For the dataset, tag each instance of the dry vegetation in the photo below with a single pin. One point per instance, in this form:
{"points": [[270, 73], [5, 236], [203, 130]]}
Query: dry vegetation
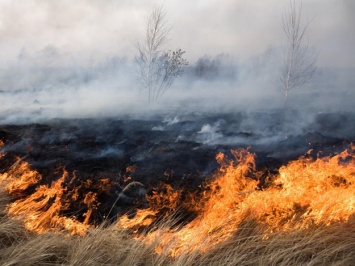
{"points": [[322, 245]]}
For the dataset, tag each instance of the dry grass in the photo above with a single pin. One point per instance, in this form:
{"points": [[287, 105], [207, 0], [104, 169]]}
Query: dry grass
{"points": [[332, 245], [327, 245]]}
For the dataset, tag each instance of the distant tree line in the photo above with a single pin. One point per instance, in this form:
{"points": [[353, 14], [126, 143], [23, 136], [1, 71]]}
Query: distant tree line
{"points": [[222, 66]]}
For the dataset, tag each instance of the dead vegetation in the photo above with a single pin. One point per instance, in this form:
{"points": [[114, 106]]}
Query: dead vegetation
{"points": [[321, 245]]}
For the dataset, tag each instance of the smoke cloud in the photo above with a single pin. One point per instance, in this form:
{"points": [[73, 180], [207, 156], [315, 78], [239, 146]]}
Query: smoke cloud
{"points": [[76, 59]]}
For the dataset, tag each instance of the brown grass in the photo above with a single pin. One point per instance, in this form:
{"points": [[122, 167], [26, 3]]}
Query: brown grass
{"points": [[324, 245]]}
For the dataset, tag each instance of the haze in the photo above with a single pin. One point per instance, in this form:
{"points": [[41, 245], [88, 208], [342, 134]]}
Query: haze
{"points": [[75, 58]]}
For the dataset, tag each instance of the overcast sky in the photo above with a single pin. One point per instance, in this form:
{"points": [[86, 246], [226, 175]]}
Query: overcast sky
{"points": [[94, 29]]}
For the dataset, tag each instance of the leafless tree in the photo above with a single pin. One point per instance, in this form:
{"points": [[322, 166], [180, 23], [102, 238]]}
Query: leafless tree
{"points": [[298, 62], [157, 68]]}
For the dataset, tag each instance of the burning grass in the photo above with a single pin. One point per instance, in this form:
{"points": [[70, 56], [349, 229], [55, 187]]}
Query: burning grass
{"points": [[305, 194], [304, 214], [322, 245]]}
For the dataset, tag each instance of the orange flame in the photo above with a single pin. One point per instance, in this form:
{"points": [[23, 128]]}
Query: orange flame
{"points": [[305, 193], [2, 154], [42, 210], [163, 198], [142, 218], [19, 177]]}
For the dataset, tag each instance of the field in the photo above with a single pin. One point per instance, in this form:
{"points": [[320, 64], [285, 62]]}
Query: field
{"points": [[247, 188]]}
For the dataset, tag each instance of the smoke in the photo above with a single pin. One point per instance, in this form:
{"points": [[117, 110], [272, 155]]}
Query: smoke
{"points": [[74, 60]]}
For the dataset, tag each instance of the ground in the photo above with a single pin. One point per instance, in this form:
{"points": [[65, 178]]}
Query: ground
{"points": [[178, 150]]}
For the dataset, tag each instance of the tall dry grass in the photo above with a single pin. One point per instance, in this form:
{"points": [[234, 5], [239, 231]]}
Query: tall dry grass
{"points": [[324, 245]]}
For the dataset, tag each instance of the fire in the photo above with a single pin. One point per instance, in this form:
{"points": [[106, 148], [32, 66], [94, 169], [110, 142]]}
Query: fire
{"points": [[42, 210], [305, 193], [19, 177], [163, 199], [216, 221], [324, 188], [141, 218], [2, 154]]}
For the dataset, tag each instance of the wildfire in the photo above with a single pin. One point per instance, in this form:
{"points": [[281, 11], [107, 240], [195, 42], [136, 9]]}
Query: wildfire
{"points": [[42, 210], [1, 145], [305, 193], [19, 177]]}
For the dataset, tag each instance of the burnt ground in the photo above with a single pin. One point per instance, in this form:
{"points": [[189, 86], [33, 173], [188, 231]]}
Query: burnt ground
{"points": [[176, 149]]}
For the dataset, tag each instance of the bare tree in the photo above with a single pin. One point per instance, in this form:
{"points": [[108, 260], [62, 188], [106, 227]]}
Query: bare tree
{"points": [[298, 63], [157, 68]]}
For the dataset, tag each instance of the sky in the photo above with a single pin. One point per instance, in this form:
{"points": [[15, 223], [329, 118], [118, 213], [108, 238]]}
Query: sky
{"points": [[89, 30], [64, 57]]}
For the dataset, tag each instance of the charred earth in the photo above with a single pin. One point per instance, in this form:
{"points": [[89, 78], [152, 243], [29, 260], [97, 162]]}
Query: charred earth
{"points": [[124, 159]]}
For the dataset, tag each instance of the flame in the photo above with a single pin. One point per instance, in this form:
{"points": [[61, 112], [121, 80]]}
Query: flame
{"points": [[216, 221], [41, 211], [2, 154], [141, 218], [305, 193], [90, 200], [19, 177], [163, 198], [324, 189]]}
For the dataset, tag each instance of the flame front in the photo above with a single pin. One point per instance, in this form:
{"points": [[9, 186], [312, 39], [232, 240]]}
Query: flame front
{"points": [[41, 210], [305, 193]]}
